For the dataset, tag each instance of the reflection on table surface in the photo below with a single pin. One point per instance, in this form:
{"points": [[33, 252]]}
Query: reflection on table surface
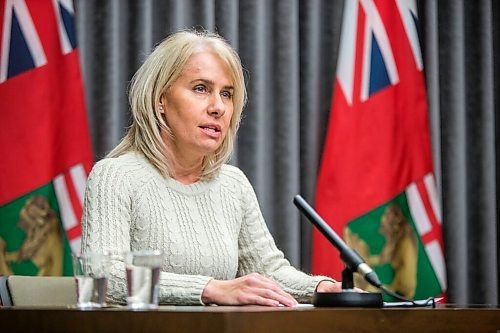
{"points": [[169, 318]]}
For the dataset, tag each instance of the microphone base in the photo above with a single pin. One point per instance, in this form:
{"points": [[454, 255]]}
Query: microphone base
{"points": [[349, 299]]}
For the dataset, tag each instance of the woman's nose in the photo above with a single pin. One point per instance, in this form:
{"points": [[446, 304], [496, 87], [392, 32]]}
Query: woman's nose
{"points": [[217, 107]]}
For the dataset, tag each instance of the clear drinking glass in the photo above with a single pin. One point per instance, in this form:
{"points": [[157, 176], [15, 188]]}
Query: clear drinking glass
{"points": [[143, 274], [91, 271]]}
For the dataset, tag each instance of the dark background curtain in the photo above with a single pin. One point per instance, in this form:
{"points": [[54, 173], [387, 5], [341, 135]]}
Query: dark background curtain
{"points": [[289, 50]]}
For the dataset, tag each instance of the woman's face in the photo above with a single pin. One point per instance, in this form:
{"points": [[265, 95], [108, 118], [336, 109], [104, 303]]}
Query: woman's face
{"points": [[198, 106]]}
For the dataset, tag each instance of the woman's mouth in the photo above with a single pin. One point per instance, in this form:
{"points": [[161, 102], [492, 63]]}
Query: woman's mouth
{"points": [[213, 131]]}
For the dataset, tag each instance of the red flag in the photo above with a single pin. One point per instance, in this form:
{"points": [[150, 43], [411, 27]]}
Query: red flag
{"points": [[377, 167], [44, 138]]}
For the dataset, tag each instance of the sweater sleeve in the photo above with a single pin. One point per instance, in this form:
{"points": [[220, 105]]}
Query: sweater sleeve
{"points": [[106, 221], [258, 253], [107, 224]]}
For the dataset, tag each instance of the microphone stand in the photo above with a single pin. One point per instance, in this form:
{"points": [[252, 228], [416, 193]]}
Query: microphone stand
{"points": [[348, 297], [353, 262]]}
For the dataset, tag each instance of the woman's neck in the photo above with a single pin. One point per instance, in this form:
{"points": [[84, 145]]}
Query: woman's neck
{"points": [[185, 168], [186, 173]]}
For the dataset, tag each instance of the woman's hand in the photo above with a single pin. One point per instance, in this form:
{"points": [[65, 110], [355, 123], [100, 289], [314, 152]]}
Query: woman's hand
{"points": [[249, 289], [327, 286]]}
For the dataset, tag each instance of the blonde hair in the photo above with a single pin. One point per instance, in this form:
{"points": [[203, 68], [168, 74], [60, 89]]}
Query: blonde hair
{"points": [[161, 68]]}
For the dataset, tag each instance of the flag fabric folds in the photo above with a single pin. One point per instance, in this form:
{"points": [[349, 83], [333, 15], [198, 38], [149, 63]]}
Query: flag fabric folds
{"points": [[44, 138], [376, 186]]}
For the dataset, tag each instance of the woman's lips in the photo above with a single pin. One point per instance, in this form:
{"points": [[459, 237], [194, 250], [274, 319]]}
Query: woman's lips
{"points": [[211, 131]]}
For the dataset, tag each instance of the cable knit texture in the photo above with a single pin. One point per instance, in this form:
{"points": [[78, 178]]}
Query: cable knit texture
{"points": [[207, 230]]}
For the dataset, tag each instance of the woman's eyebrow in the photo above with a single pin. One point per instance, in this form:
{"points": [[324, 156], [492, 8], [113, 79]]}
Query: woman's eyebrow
{"points": [[211, 83]]}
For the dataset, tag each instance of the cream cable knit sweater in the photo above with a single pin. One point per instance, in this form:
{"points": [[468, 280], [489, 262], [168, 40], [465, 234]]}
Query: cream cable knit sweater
{"points": [[211, 229]]}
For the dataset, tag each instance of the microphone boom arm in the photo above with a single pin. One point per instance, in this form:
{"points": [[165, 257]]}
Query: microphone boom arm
{"points": [[349, 256]]}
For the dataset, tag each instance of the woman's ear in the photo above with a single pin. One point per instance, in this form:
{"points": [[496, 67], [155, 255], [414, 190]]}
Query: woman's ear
{"points": [[161, 105]]}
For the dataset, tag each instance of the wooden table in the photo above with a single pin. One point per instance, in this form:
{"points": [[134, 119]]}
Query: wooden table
{"points": [[251, 319]]}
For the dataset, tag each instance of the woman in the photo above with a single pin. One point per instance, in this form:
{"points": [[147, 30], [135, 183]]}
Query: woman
{"points": [[165, 186]]}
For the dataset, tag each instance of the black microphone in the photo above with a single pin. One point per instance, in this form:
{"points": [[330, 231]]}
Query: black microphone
{"points": [[350, 257]]}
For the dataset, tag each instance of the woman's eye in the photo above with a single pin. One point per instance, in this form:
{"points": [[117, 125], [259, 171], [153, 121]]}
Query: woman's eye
{"points": [[227, 94], [200, 88]]}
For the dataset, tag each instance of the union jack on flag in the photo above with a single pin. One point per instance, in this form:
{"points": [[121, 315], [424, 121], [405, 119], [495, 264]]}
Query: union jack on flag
{"points": [[376, 185], [44, 137]]}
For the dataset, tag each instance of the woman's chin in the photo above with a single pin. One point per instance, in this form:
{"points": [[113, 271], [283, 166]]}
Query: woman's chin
{"points": [[209, 149]]}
